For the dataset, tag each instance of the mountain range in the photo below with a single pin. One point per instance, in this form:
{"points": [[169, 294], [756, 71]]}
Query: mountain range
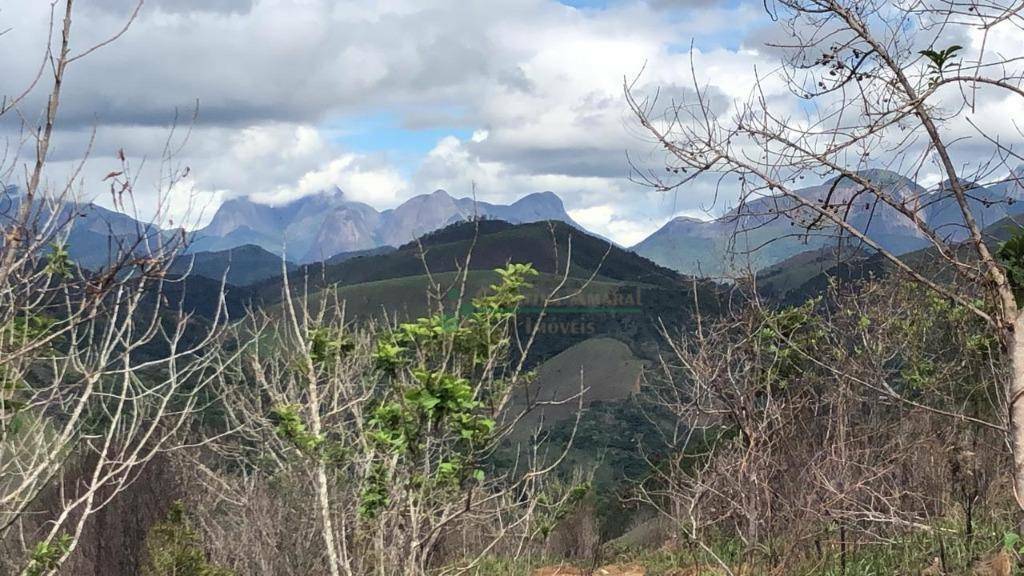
{"points": [[768, 230], [95, 235], [328, 226], [319, 226]]}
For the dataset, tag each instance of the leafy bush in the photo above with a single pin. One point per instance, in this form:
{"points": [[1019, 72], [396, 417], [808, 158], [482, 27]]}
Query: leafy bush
{"points": [[173, 548]]}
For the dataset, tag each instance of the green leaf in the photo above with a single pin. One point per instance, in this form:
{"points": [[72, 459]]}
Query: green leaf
{"points": [[1010, 540], [58, 261], [1011, 255]]}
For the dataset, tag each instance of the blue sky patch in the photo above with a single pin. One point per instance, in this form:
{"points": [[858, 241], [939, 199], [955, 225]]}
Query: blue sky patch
{"points": [[384, 132]]}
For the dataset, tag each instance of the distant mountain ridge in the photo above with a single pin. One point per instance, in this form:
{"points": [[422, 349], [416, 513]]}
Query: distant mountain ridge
{"points": [[319, 226], [766, 231], [328, 226], [325, 226], [241, 266], [94, 235]]}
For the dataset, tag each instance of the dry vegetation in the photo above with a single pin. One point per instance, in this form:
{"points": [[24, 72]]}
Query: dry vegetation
{"points": [[875, 429]]}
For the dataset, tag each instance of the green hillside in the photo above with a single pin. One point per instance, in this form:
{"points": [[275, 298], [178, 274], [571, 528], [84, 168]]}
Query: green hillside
{"points": [[808, 274], [629, 297], [487, 245], [241, 266], [779, 280], [407, 297]]}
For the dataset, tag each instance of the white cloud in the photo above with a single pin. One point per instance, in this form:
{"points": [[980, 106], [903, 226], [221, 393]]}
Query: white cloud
{"points": [[379, 186], [537, 84], [604, 220], [189, 207], [261, 143]]}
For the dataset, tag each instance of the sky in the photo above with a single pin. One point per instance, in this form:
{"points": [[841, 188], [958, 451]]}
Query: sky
{"points": [[385, 99]]}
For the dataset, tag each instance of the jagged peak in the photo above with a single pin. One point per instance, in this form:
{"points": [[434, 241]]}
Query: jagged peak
{"points": [[547, 197], [547, 194]]}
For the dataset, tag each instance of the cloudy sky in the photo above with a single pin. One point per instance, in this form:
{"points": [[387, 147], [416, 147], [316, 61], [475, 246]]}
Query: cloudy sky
{"points": [[387, 98]]}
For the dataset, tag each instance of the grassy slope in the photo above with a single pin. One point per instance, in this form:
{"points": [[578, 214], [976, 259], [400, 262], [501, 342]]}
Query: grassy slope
{"points": [[605, 367], [406, 297], [779, 280]]}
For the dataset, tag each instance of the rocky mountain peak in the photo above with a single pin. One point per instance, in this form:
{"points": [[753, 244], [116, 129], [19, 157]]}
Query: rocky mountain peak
{"points": [[320, 225]]}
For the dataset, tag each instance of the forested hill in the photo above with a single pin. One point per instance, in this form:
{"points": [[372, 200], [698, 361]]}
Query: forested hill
{"points": [[486, 245]]}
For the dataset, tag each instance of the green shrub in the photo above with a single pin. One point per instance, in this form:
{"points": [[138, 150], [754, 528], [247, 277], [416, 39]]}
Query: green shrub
{"points": [[173, 548]]}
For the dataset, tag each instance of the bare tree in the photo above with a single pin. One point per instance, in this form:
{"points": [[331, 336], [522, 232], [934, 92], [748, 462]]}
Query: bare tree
{"points": [[810, 431], [98, 374], [873, 84]]}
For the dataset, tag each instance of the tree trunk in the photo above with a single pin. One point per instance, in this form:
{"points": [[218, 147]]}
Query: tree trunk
{"points": [[323, 499], [1015, 406]]}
